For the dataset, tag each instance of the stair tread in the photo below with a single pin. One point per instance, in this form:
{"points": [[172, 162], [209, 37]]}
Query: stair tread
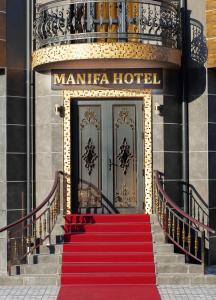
{"points": [[126, 274], [108, 223], [109, 263], [108, 243]]}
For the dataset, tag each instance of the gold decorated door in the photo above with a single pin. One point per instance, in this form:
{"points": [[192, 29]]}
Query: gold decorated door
{"points": [[107, 157]]}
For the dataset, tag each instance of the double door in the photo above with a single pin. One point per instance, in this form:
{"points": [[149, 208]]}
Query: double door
{"points": [[107, 156]]}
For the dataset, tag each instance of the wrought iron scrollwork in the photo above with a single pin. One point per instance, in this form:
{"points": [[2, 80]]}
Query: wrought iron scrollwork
{"points": [[90, 156], [199, 51], [70, 21], [124, 156]]}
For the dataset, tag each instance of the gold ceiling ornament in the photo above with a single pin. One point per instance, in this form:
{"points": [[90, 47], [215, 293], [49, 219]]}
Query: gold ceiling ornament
{"points": [[146, 95], [137, 51]]}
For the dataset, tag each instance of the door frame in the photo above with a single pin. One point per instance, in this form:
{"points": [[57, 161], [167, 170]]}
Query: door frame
{"points": [[146, 96]]}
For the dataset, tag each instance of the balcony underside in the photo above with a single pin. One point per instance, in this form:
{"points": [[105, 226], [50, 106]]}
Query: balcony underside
{"points": [[105, 55]]}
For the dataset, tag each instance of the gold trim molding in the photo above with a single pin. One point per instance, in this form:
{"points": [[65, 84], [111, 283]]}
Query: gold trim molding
{"points": [[147, 126], [92, 51]]}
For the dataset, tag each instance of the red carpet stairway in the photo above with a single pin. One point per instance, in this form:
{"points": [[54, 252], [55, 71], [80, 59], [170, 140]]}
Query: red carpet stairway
{"points": [[108, 257]]}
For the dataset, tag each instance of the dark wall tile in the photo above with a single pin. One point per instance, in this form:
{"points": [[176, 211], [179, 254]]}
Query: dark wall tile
{"points": [[174, 191], [171, 82], [172, 137], [211, 81], [212, 193], [172, 110], [14, 215], [16, 82], [212, 219], [196, 81], [212, 137], [16, 110], [212, 252], [16, 195], [16, 34], [212, 165], [172, 165], [16, 167], [212, 108], [16, 138]]}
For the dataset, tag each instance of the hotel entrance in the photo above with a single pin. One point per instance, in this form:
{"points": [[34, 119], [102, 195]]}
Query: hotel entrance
{"points": [[107, 156]]}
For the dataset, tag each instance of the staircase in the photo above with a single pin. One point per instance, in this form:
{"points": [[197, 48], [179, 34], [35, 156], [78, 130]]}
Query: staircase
{"points": [[107, 250], [110, 254]]}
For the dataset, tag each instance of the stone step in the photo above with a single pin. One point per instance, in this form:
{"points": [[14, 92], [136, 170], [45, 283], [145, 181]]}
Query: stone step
{"points": [[37, 269], [29, 280], [52, 249], [185, 279], [41, 280], [163, 248], [44, 258], [178, 268], [169, 258], [153, 219], [159, 237], [11, 281], [156, 228]]}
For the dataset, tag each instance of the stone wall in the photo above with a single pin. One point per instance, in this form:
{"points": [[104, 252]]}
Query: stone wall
{"points": [[167, 148], [49, 136]]}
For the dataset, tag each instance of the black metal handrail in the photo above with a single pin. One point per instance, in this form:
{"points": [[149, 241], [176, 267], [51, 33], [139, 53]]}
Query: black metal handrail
{"points": [[30, 231], [77, 21], [184, 231]]}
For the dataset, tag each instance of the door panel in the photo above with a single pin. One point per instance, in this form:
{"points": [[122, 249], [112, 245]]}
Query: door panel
{"points": [[110, 157], [124, 155], [89, 156]]}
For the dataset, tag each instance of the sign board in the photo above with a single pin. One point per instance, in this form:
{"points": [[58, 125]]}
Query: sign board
{"points": [[107, 78]]}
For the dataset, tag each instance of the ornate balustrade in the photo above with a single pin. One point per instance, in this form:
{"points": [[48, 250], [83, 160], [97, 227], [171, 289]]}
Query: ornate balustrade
{"points": [[28, 233], [84, 21], [184, 231]]}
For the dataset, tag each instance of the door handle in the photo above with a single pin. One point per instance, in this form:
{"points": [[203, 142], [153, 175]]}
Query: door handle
{"points": [[110, 164]]}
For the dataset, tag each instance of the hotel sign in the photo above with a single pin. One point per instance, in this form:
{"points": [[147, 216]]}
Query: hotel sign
{"points": [[108, 78]]}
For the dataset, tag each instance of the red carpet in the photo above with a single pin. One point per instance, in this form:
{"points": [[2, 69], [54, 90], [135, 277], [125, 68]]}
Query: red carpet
{"points": [[108, 257]]}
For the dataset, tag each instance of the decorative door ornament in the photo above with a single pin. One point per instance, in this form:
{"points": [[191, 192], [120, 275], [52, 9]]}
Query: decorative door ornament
{"points": [[125, 198], [124, 119], [124, 156], [90, 118], [90, 156]]}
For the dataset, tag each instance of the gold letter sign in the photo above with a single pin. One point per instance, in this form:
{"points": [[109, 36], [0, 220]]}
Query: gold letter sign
{"points": [[107, 78]]}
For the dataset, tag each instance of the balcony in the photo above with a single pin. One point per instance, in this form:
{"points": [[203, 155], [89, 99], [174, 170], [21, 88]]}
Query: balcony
{"points": [[82, 33]]}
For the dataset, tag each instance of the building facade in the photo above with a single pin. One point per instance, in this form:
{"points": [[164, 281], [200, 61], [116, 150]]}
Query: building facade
{"points": [[107, 92]]}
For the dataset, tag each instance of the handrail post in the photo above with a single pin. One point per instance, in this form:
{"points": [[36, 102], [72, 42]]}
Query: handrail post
{"points": [[203, 250], [9, 254], [49, 223], [191, 203]]}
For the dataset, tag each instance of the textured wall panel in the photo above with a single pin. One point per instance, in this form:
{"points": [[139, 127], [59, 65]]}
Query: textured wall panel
{"points": [[211, 31]]}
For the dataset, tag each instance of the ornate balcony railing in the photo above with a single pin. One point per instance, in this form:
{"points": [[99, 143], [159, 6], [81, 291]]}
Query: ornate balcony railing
{"points": [[199, 51], [82, 21]]}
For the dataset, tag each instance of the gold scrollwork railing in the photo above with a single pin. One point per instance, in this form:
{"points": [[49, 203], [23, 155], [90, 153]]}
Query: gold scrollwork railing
{"points": [[28, 233], [181, 229]]}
